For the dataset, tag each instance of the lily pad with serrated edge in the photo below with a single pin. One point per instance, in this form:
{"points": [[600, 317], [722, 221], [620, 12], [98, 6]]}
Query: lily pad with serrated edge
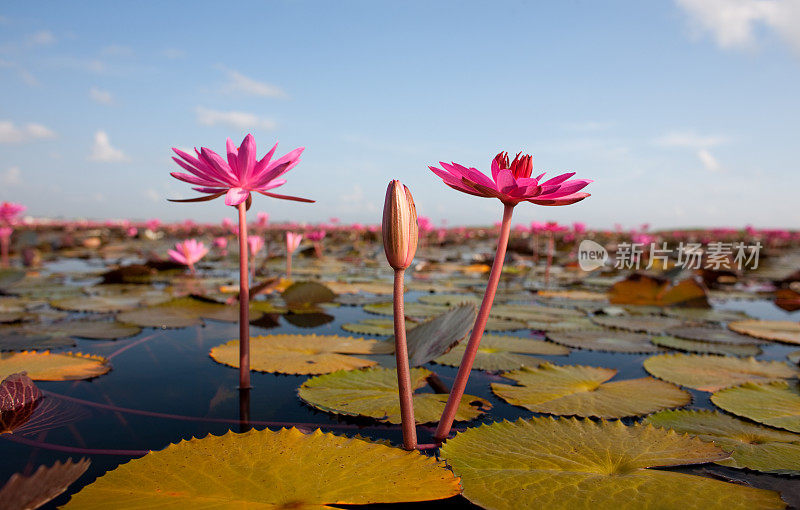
{"points": [[93, 330], [696, 346], [707, 372], [703, 314], [47, 366], [373, 393], [610, 341], [450, 299], [751, 446], [779, 331], [578, 390], [566, 325], [652, 324], [410, 309], [97, 304], [184, 312], [498, 325], [573, 295], [706, 334], [266, 469], [498, 352], [43, 485], [568, 463], [373, 287], [527, 312], [16, 338], [776, 403], [302, 354]]}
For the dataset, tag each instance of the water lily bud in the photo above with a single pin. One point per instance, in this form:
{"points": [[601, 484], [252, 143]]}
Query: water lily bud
{"points": [[400, 229]]}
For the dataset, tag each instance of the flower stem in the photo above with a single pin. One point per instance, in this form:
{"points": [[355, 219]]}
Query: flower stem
{"points": [[244, 303], [403, 371], [460, 383], [288, 264], [4, 242]]}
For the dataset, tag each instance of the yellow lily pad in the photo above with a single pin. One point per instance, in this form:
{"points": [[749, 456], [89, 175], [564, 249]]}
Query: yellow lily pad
{"points": [[780, 331], [265, 469], [612, 341], [302, 354], [569, 463], [697, 346], [47, 366], [373, 393], [653, 324], [710, 373], [776, 404], [579, 390], [752, 446]]}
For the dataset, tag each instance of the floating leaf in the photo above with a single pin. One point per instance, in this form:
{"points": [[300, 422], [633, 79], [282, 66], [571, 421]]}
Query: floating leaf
{"points": [[704, 314], [373, 393], [495, 324], [566, 325], [653, 324], [302, 354], [373, 287], [776, 404], [184, 312], [794, 356], [265, 469], [579, 390], [529, 312], [497, 353], [419, 310], [20, 339], [706, 334], [95, 330], [683, 344], [781, 331], [43, 485], [307, 293], [10, 276], [374, 327], [438, 335], [569, 463], [751, 446], [573, 295], [450, 299], [711, 373], [97, 304], [611, 341], [642, 289], [46, 366]]}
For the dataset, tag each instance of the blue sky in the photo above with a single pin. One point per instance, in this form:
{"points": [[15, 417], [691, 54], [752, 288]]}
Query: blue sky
{"points": [[685, 112]]}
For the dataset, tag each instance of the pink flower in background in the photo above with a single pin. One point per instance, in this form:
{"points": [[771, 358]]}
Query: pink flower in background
{"points": [[221, 242], [153, 224], [255, 244], [9, 212], [5, 232], [315, 235], [263, 219], [578, 227], [512, 183], [293, 240], [237, 177], [188, 252], [424, 224], [132, 231]]}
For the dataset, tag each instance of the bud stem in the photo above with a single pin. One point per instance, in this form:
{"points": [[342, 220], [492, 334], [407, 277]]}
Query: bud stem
{"points": [[244, 303], [403, 371], [460, 384]]}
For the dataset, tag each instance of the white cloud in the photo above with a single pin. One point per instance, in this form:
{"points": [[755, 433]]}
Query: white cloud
{"points": [[11, 133], [689, 139], [734, 23], [173, 53], [41, 38], [238, 120], [237, 82], [11, 177], [101, 96], [103, 151], [708, 160]]}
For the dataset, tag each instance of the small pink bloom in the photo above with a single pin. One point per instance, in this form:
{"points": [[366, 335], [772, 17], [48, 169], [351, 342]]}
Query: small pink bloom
{"points": [[221, 242], [188, 252], [237, 176], [9, 211], [255, 243], [293, 240], [263, 219], [315, 235], [512, 183], [132, 231]]}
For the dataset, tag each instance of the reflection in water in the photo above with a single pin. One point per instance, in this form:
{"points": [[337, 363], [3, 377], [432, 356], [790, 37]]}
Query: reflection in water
{"points": [[244, 410], [308, 320]]}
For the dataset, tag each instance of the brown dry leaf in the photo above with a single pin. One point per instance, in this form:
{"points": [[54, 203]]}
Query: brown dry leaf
{"points": [[46, 366], [29, 492], [641, 289]]}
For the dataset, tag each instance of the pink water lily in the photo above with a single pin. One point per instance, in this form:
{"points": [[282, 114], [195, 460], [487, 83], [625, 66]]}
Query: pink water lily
{"points": [[188, 252], [9, 211], [237, 176], [512, 182], [293, 240]]}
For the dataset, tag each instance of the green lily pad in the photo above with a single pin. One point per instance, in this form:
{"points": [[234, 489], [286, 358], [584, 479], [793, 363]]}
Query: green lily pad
{"points": [[652, 324], [776, 404], [710, 373], [752, 446], [497, 353], [579, 390], [611, 341], [682, 344], [568, 463], [418, 310], [707, 334], [373, 393], [780, 331]]}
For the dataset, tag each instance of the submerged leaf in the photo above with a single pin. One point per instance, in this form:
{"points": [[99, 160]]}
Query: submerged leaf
{"points": [[711, 373], [302, 354], [265, 469], [579, 390], [373, 393], [569, 463], [776, 404], [438, 335], [752, 446]]}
